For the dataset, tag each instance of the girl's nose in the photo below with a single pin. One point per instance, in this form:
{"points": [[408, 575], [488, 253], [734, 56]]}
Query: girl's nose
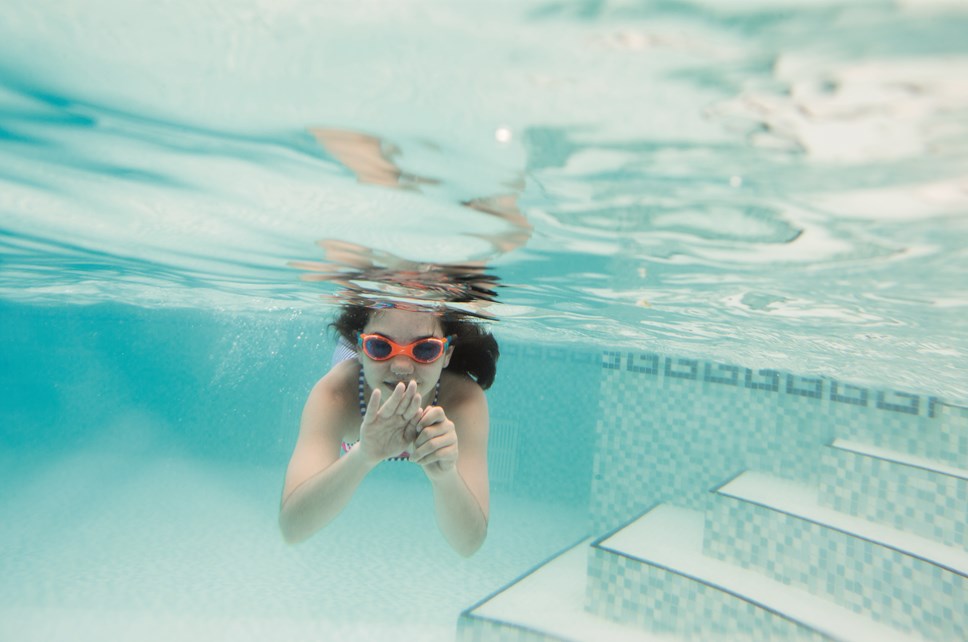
{"points": [[401, 364]]}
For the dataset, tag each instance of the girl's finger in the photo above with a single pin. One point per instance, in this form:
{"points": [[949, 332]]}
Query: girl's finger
{"points": [[436, 454], [426, 433], [371, 407], [431, 440], [405, 409], [411, 431], [393, 403], [432, 415], [412, 410]]}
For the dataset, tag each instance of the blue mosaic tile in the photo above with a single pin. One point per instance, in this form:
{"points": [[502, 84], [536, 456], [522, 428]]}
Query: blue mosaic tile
{"points": [[913, 499], [653, 599], [895, 589], [478, 629], [846, 393]]}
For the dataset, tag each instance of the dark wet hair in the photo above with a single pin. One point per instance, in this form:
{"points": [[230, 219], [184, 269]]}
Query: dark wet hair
{"points": [[475, 349]]}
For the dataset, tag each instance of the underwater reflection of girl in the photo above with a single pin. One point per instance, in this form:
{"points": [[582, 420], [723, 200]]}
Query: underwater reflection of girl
{"points": [[411, 386]]}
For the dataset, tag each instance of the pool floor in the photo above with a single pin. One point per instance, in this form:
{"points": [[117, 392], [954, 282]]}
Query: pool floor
{"points": [[113, 545]]}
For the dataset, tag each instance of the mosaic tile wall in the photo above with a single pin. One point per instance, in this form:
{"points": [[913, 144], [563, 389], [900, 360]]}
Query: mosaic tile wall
{"points": [[917, 425], [638, 594], [923, 502], [896, 589], [543, 409], [673, 428]]}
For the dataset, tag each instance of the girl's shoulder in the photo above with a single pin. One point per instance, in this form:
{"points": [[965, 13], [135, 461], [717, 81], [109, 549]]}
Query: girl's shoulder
{"points": [[459, 390], [336, 397], [340, 384]]}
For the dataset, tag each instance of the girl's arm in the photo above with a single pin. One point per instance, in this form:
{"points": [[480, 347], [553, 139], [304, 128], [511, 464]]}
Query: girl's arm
{"points": [[459, 476], [320, 483]]}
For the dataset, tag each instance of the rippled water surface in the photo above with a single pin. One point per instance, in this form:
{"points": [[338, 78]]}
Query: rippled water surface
{"points": [[776, 183]]}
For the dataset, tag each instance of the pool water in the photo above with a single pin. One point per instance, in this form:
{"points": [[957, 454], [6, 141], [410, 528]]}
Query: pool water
{"points": [[708, 239], [135, 516]]}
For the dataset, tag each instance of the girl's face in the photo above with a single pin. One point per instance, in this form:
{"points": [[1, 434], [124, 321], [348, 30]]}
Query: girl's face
{"points": [[403, 327]]}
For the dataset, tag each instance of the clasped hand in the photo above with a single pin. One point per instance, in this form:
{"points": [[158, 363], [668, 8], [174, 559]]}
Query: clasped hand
{"points": [[402, 424]]}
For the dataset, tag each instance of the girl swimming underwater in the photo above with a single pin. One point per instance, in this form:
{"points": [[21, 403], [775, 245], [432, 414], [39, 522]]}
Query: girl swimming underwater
{"points": [[411, 387]]}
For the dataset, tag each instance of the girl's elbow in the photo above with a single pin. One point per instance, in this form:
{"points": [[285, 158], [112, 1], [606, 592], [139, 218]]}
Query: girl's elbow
{"points": [[468, 548], [291, 533], [292, 538], [468, 552]]}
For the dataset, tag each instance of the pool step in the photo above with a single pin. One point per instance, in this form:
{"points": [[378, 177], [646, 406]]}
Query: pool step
{"points": [[915, 494], [764, 561], [653, 574], [779, 528], [547, 603], [876, 551]]}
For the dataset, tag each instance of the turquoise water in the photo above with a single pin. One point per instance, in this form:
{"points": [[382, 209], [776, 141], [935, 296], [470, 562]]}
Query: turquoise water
{"points": [[771, 185], [143, 453]]}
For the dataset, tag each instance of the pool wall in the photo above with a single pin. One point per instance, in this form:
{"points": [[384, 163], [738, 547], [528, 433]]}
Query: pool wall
{"points": [[850, 507], [674, 428]]}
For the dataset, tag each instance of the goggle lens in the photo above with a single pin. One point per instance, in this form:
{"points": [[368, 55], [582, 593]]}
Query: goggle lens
{"points": [[423, 351], [377, 348], [426, 350]]}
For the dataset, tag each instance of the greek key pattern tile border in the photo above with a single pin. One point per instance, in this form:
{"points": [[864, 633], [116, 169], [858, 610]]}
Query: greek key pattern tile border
{"points": [[771, 382]]}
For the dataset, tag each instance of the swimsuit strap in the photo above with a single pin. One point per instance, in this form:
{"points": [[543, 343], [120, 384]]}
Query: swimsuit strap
{"points": [[362, 396]]}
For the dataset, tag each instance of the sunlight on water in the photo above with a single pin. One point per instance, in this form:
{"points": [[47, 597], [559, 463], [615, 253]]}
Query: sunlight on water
{"points": [[697, 179]]}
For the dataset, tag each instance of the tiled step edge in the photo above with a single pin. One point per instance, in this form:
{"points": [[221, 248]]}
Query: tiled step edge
{"points": [[544, 604], [911, 493], [652, 574], [897, 457], [778, 527]]}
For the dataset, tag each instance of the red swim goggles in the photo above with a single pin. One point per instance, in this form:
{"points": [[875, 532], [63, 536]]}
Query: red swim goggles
{"points": [[379, 348]]}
